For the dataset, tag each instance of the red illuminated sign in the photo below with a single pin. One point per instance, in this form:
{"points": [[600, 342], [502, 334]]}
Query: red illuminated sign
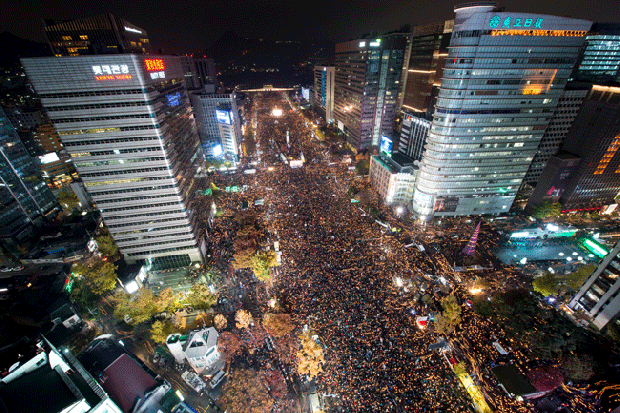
{"points": [[154, 65], [112, 77]]}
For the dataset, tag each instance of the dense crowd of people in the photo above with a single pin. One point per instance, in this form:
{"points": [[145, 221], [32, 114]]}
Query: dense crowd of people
{"points": [[338, 277]]}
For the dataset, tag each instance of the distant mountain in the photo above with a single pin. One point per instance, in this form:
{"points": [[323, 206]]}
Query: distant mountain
{"points": [[281, 62], [14, 47]]}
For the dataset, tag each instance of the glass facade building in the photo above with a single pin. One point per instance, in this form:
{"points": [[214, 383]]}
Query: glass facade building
{"points": [[427, 57], [366, 87], [103, 34], [600, 59], [25, 198], [414, 131], [501, 84], [127, 123]]}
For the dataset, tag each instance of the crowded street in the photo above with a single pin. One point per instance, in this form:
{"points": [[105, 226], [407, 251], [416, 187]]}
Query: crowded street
{"points": [[342, 278]]}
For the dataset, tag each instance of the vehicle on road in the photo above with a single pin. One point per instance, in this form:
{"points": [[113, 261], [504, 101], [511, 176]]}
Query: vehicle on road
{"points": [[194, 381], [217, 379]]}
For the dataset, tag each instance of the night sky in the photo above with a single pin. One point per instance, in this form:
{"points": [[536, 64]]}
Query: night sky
{"points": [[188, 26]]}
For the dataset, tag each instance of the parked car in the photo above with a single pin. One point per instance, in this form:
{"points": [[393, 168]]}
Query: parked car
{"points": [[156, 358], [217, 379]]}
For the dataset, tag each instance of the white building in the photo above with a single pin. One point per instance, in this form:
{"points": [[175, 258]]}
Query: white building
{"points": [[128, 126], [504, 75], [393, 182], [219, 123], [198, 349]]}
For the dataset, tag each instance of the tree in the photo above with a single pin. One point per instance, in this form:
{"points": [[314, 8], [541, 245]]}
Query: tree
{"points": [[546, 284], [243, 319], [578, 367], [243, 259], [576, 279], [168, 301], [442, 325], [201, 297], [450, 317], [160, 330], [547, 209], [278, 325], [220, 322], [246, 391], [362, 167], [106, 245], [68, 199], [230, 345], [310, 358], [262, 262], [140, 308], [254, 337], [545, 378], [98, 277]]}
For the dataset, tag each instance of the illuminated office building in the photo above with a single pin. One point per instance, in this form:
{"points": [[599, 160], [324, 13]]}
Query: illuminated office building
{"points": [[366, 87], [25, 198], [595, 138], [599, 61], [428, 51], [127, 123], [103, 34], [501, 84], [324, 91], [218, 123], [414, 131], [553, 138]]}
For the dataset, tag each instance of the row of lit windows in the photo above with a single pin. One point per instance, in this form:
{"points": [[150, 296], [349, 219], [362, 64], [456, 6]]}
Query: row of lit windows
{"points": [[185, 233], [126, 171], [106, 118], [93, 93], [155, 214], [116, 151], [107, 130], [143, 189], [155, 252], [153, 244], [154, 221], [134, 198], [99, 106], [120, 161], [137, 231], [142, 206], [124, 181], [108, 140]]}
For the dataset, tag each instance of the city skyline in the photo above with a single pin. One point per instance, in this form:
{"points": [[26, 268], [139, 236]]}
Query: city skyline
{"points": [[196, 26]]}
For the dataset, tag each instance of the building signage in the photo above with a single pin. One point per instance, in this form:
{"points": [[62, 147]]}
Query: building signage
{"points": [[111, 72], [509, 22], [129, 29], [386, 146], [223, 116], [156, 67]]}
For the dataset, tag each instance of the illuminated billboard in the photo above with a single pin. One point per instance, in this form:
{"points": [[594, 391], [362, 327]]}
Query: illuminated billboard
{"points": [[386, 146], [223, 116], [111, 72], [154, 65], [174, 99]]}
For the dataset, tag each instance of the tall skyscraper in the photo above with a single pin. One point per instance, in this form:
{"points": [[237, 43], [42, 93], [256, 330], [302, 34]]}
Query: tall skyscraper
{"points": [[101, 34], [218, 122], [324, 77], [427, 57], [599, 61], [366, 87], [595, 138], [127, 123], [553, 138], [598, 296], [501, 84], [25, 199]]}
